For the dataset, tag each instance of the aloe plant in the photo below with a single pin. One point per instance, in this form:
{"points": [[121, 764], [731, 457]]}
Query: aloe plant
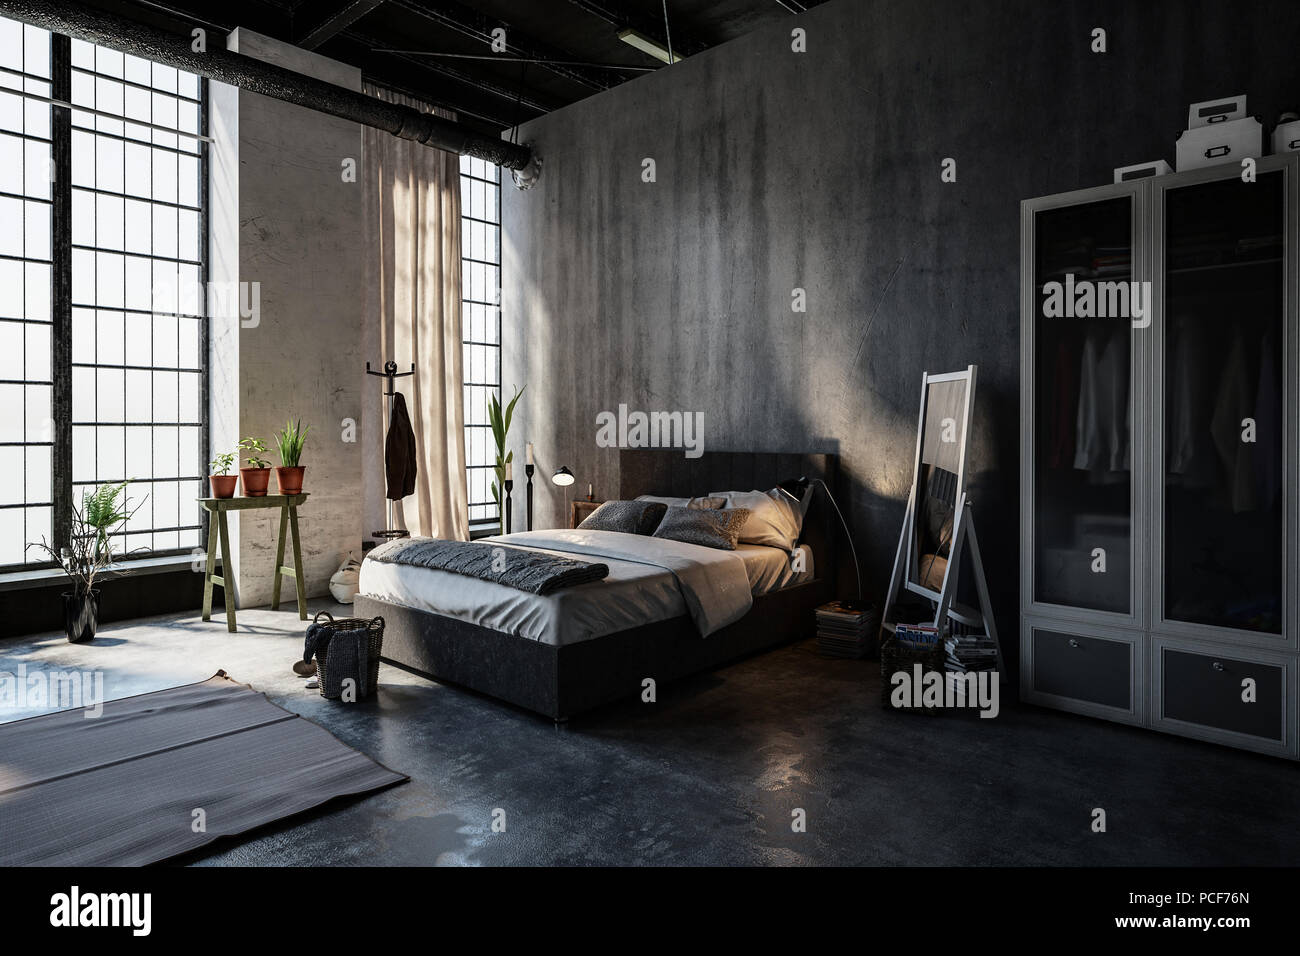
{"points": [[500, 422], [89, 551], [290, 442]]}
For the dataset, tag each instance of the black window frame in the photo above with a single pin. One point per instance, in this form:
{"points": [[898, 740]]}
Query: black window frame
{"points": [[62, 483]]}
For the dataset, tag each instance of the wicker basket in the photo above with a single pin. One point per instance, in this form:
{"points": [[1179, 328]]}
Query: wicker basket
{"points": [[897, 656], [375, 627]]}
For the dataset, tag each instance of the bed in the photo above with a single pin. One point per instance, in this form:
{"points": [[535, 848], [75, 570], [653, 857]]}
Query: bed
{"points": [[564, 653]]}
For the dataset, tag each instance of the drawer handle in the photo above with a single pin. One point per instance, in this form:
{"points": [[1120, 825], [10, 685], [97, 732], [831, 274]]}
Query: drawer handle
{"points": [[1074, 643], [1217, 666]]}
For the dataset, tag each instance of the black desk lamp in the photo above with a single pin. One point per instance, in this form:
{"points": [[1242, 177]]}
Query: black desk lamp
{"points": [[800, 491], [563, 477]]}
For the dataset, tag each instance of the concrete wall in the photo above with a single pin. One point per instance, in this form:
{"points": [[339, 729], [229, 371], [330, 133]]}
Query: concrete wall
{"points": [[297, 234], [821, 171]]}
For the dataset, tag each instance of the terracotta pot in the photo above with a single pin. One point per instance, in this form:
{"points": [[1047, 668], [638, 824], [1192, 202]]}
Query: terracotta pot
{"points": [[81, 615], [223, 486], [255, 481], [289, 479]]}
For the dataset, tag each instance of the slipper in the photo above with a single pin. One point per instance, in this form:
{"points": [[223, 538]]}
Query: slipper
{"points": [[304, 668]]}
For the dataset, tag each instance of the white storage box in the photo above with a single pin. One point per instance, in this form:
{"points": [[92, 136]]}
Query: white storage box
{"points": [[1212, 112], [1124, 174], [1286, 138], [1227, 142]]}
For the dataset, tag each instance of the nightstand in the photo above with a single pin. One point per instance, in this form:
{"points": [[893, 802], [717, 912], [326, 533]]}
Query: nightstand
{"points": [[578, 511]]}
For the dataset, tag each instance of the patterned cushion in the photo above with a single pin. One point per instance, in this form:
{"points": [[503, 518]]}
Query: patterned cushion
{"points": [[629, 517], [707, 527], [710, 502]]}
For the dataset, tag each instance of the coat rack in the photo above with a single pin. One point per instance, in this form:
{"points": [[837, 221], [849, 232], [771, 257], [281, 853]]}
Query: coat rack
{"points": [[391, 373]]}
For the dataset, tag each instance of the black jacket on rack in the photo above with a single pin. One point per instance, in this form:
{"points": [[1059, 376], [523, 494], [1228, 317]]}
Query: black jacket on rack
{"points": [[399, 452]]}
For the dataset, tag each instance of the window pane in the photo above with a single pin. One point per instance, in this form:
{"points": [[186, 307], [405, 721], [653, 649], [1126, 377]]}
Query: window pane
{"points": [[132, 248], [481, 353]]}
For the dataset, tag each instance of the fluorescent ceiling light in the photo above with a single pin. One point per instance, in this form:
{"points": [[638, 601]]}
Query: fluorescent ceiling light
{"points": [[647, 45]]}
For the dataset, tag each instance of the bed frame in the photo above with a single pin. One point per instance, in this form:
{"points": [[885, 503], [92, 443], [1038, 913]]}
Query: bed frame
{"points": [[559, 682]]}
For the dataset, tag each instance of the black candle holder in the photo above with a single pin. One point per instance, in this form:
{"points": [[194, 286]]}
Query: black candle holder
{"points": [[509, 485], [528, 495]]}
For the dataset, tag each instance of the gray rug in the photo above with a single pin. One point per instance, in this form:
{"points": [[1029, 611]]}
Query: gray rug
{"points": [[123, 789]]}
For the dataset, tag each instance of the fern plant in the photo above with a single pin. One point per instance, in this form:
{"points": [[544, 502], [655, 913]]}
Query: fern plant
{"points": [[500, 421], [89, 551]]}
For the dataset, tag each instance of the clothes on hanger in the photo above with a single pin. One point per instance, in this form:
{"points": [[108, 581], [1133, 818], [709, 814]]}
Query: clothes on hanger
{"points": [[1234, 403], [1268, 424], [1064, 410], [1189, 448], [1103, 426], [399, 452]]}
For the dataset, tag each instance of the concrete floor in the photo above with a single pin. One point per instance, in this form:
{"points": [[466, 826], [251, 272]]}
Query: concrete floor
{"points": [[711, 773]]}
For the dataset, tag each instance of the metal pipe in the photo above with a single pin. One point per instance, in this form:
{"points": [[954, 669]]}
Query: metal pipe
{"points": [[225, 66]]}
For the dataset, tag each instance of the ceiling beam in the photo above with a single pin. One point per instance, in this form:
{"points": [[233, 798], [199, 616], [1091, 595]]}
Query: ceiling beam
{"points": [[95, 25], [323, 28], [477, 26], [619, 17], [508, 94], [414, 77]]}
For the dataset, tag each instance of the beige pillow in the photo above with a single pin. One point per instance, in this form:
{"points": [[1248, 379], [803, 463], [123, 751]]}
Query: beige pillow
{"points": [[774, 520]]}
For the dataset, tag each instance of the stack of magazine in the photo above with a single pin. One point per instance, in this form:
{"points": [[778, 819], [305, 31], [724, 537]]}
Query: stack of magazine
{"points": [[971, 652], [843, 631]]}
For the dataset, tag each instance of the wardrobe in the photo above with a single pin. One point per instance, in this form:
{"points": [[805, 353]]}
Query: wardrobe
{"points": [[1159, 433]]}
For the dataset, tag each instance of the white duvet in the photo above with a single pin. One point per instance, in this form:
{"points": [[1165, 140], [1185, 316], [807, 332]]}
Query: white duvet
{"points": [[650, 579]]}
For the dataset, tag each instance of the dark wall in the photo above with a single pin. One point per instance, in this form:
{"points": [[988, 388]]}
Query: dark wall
{"points": [[35, 610], [821, 170]]}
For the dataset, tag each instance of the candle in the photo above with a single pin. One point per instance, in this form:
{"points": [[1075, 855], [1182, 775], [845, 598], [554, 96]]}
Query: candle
{"points": [[529, 452], [590, 493], [510, 471]]}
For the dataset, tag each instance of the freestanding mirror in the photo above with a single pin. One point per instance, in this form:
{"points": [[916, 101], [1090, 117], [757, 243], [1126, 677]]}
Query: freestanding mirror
{"points": [[938, 534], [937, 475]]}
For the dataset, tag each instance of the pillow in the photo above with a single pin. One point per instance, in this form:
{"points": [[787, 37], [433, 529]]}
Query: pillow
{"points": [[774, 519], [629, 517], [666, 502], [711, 503], [712, 528]]}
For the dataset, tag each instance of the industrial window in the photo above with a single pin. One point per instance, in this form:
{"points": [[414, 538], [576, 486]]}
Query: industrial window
{"points": [[480, 245], [102, 265]]}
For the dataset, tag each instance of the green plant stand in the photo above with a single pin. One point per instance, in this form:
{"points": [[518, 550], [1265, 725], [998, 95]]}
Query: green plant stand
{"points": [[218, 507]]}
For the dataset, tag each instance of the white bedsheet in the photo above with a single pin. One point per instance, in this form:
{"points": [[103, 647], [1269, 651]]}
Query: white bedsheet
{"points": [[634, 593]]}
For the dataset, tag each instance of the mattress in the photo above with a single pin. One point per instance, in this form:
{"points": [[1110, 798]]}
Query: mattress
{"points": [[632, 595]]}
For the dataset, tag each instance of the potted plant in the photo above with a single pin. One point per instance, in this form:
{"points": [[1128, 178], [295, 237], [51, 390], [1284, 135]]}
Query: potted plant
{"points": [[288, 474], [223, 483], [88, 553], [257, 476], [500, 428]]}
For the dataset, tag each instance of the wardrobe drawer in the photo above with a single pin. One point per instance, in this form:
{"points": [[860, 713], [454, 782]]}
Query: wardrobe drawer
{"points": [[1207, 689], [1095, 670]]}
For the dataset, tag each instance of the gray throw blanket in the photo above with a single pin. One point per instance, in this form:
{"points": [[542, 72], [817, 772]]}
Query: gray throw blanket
{"points": [[346, 655], [518, 568]]}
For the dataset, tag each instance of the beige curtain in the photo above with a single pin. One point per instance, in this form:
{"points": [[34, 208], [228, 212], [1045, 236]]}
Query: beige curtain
{"points": [[412, 249]]}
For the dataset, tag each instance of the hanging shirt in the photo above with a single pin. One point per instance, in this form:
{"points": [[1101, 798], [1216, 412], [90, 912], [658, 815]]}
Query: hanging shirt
{"points": [[1268, 420], [1235, 402]]}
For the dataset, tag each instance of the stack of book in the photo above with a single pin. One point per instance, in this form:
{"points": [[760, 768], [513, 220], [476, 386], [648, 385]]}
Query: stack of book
{"points": [[845, 632], [971, 652]]}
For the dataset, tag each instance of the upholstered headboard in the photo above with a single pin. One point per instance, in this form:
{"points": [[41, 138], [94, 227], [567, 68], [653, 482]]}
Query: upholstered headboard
{"points": [[668, 472]]}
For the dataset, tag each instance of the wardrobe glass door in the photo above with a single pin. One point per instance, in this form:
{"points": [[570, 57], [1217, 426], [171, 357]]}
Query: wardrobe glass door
{"points": [[1224, 276], [1083, 377]]}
